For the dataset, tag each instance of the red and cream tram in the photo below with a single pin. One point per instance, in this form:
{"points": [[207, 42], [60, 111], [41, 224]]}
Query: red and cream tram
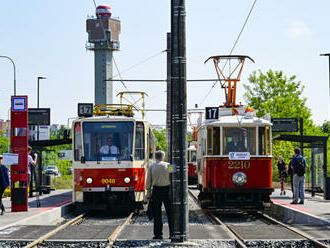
{"points": [[234, 152], [192, 164], [112, 152]]}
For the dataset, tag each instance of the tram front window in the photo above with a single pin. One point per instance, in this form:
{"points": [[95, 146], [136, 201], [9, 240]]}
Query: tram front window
{"points": [[239, 140], [106, 141]]}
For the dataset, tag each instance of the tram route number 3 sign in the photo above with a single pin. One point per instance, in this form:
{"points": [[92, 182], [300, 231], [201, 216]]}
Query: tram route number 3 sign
{"points": [[85, 109], [211, 113]]}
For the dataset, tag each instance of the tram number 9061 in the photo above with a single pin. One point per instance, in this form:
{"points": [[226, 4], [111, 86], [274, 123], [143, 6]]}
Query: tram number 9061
{"points": [[239, 164]]}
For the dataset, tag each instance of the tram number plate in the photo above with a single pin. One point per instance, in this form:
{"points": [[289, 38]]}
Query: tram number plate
{"points": [[108, 181], [238, 165]]}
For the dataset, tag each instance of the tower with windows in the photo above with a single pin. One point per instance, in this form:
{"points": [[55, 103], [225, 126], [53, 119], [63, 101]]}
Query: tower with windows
{"points": [[103, 38]]}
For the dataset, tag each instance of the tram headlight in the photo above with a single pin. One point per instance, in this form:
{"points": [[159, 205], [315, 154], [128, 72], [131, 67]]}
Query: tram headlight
{"points": [[89, 180], [239, 178], [127, 179]]}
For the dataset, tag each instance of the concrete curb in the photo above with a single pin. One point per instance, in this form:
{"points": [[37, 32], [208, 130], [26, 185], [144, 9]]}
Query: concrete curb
{"points": [[44, 218], [295, 216]]}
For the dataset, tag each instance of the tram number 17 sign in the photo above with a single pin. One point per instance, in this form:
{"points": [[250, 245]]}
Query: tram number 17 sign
{"points": [[211, 113]]}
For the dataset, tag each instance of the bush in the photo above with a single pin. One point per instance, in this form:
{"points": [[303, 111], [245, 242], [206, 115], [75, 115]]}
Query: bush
{"points": [[63, 182]]}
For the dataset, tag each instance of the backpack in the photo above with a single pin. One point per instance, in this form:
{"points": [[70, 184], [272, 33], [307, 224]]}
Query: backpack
{"points": [[300, 168]]}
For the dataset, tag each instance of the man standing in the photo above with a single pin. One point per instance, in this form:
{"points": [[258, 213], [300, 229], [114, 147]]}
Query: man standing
{"points": [[4, 183], [158, 180], [32, 170], [299, 167]]}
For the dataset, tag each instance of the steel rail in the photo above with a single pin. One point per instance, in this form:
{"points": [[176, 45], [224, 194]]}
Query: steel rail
{"points": [[238, 239], [51, 233], [299, 232], [113, 237]]}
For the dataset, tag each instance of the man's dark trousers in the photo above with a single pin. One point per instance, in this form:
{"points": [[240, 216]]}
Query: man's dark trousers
{"points": [[33, 177], [1, 193], [161, 195]]}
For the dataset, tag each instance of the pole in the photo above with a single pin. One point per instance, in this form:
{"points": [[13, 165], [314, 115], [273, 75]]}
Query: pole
{"points": [[12, 61], [38, 102], [169, 101], [328, 55], [179, 118]]}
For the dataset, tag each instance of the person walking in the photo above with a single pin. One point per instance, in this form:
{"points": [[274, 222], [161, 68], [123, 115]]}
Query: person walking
{"points": [[32, 170], [282, 173], [4, 182], [158, 187], [299, 168]]}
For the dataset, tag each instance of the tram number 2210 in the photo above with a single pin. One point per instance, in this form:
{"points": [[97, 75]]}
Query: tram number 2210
{"points": [[239, 164]]}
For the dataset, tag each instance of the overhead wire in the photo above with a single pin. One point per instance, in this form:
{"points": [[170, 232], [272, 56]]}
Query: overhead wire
{"points": [[232, 49]]}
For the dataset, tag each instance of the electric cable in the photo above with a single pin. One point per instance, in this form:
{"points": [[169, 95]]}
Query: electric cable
{"points": [[235, 43]]}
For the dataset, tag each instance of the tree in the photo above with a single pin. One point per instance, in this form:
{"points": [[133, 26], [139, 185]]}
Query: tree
{"points": [[161, 139], [279, 95]]}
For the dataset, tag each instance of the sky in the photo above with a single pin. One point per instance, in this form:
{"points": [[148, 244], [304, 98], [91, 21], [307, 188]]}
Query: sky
{"points": [[47, 38]]}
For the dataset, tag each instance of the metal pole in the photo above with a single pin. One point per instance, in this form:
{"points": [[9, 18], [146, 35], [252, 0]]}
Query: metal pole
{"points": [[169, 101], [38, 103], [12, 61], [179, 118], [328, 55]]}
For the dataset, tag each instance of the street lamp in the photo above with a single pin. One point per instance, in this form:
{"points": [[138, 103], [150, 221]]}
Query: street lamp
{"points": [[38, 103], [12, 61], [328, 54]]}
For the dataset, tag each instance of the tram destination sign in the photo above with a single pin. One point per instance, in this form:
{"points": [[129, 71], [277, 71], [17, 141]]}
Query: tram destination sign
{"points": [[211, 113], [285, 124], [85, 109], [39, 116]]}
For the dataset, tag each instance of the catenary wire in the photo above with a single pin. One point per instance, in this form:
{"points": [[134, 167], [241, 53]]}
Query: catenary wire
{"points": [[232, 49]]}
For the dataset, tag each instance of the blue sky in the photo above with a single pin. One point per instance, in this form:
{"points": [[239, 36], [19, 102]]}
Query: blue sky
{"points": [[47, 38]]}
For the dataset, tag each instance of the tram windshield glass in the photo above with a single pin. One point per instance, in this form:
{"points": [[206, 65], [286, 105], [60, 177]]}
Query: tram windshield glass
{"points": [[107, 141], [239, 140]]}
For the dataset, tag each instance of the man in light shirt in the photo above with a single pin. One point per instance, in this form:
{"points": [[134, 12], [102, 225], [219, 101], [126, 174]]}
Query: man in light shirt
{"points": [[158, 182], [109, 148]]}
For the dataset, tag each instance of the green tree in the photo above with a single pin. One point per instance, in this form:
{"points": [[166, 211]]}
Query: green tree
{"points": [[161, 139]]}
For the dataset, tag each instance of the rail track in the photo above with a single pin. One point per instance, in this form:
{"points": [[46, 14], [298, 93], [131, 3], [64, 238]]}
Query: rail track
{"points": [[239, 239], [77, 220]]}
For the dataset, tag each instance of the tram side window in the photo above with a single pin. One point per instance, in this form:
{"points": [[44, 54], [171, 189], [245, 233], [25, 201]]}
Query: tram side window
{"points": [[239, 140], [139, 141], [264, 141], [213, 140], [77, 142]]}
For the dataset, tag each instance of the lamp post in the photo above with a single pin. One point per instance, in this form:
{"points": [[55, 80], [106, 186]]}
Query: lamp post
{"points": [[328, 54], [12, 61], [38, 103]]}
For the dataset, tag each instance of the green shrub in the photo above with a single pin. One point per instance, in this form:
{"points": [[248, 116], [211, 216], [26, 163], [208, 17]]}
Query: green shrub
{"points": [[63, 182]]}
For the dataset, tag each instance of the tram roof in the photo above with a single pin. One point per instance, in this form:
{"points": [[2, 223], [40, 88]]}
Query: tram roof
{"points": [[238, 120]]}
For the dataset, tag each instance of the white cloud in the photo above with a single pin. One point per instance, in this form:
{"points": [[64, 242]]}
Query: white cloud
{"points": [[298, 29]]}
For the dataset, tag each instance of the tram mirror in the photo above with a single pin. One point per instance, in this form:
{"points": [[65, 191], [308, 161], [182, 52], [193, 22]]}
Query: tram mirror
{"points": [[83, 159]]}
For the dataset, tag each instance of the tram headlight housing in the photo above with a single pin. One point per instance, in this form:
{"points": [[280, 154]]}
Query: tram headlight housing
{"points": [[89, 180], [239, 178], [127, 179]]}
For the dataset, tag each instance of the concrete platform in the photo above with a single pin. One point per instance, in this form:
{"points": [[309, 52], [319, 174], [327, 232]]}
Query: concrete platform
{"points": [[315, 211], [53, 205]]}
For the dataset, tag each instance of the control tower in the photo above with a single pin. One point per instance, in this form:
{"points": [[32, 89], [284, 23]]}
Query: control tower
{"points": [[103, 38]]}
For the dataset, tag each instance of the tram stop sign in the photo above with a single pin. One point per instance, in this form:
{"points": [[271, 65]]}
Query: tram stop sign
{"points": [[285, 124]]}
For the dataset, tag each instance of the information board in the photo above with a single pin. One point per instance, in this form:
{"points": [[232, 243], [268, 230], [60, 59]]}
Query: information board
{"points": [[285, 124], [39, 116]]}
